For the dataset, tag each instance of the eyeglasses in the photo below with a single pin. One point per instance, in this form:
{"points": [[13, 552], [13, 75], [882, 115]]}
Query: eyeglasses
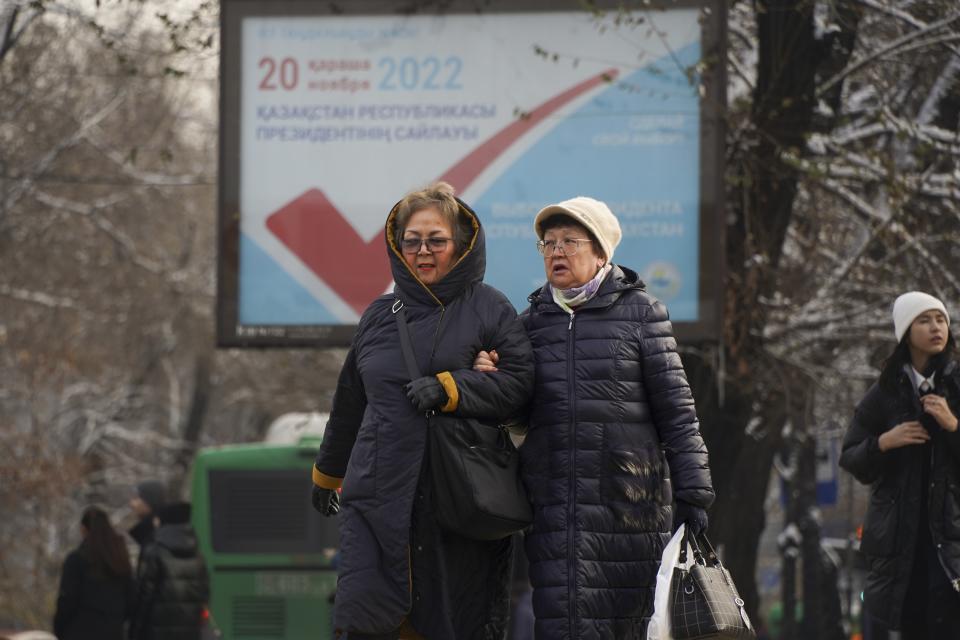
{"points": [[434, 245], [568, 246]]}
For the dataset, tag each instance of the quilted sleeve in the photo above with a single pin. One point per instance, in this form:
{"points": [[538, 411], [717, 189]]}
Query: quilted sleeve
{"points": [[349, 404], [672, 406], [860, 453]]}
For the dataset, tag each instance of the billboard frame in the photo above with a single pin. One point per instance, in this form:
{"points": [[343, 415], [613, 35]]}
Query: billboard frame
{"points": [[712, 128]]}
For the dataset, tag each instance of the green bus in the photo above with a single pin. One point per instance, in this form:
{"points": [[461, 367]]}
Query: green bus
{"points": [[270, 555]]}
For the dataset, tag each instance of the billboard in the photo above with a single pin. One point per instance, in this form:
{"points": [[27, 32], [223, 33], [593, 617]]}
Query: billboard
{"points": [[329, 119]]}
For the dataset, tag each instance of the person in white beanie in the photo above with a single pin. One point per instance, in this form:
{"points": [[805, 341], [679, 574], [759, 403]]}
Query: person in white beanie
{"points": [[613, 458], [903, 441]]}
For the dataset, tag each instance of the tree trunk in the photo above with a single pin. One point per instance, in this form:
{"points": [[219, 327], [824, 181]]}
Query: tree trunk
{"points": [[193, 424], [762, 188]]}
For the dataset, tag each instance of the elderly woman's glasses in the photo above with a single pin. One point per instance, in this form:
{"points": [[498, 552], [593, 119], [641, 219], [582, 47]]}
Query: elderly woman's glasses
{"points": [[434, 245], [568, 246]]}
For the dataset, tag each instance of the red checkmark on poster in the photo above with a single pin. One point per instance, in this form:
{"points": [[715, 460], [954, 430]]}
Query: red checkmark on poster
{"points": [[358, 271]]}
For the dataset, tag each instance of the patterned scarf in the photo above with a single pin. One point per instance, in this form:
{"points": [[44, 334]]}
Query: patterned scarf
{"points": [[570, 299]]}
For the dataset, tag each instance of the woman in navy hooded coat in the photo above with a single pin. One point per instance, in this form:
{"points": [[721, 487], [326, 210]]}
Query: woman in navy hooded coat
{"points": [[400, 575], [613, 439]]}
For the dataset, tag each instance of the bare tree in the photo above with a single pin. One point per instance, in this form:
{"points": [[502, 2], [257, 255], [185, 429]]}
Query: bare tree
{"points": [[843, 192], [108, 371]]}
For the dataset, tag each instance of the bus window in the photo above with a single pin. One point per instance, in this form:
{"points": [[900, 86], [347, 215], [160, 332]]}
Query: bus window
{"points": [[266, 511]]}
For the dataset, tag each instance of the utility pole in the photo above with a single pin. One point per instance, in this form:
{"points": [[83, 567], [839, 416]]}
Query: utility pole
{"points": [[789, 539], [808, 522]]}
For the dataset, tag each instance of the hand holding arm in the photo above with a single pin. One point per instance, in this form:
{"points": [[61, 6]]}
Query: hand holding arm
{"points": [[486, 361], [501, 391]]}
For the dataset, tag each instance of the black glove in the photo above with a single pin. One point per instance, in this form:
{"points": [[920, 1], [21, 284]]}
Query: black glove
{"points": [[326, 501], [426, 393], [694, 516]]}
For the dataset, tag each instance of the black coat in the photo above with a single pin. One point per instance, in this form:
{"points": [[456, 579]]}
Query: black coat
{"points": [[90, 604], [395, 563], [892, 524], [173, 587], [613, 439], [143, 531]]}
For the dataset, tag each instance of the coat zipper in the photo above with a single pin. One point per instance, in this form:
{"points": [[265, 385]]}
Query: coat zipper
{"points": [[951, 576], [954, 580], [571, 479], [433, 349]]}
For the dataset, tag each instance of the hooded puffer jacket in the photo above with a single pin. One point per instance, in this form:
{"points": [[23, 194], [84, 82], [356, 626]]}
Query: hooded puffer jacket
{"points": [[895, 514], [613, 439], [396, 568], [173, 587]]}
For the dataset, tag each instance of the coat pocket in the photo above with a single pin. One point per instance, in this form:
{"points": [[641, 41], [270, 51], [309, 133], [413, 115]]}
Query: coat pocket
{"points": [[632, 486], [881, 525]]}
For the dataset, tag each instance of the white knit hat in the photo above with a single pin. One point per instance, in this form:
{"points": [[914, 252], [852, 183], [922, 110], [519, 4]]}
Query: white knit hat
{"points": [[907, 307], [593, 214]]}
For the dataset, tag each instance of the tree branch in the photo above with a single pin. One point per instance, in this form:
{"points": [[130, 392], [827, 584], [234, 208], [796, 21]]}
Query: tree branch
{"points": [[43, 299], [9, 33], [893, 46], [50, 157]]}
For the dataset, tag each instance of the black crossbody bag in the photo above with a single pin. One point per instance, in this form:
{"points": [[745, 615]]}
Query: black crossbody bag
{"points": [[474, 468]]}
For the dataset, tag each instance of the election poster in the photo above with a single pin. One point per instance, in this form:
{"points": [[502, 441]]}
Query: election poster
{"points": [[335, 117]]}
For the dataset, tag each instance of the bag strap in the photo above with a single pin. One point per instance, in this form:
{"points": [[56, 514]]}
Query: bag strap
{"points": [[690, 540], [709, 552], [405, 345]]}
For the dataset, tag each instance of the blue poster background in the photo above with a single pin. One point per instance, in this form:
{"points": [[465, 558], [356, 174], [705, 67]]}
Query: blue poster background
{"points": [[634, 145], [565, 164]]}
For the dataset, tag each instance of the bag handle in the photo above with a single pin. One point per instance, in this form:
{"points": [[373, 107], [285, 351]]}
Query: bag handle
{"points": [[713, 561], [405, 345], [692, 542], [711, 555]]}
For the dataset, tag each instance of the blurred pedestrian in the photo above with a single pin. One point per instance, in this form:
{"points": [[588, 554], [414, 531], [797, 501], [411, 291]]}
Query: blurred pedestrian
{"points": [[96, 586], [401, 576], [149, 498], [903, 442], [173, 587]]}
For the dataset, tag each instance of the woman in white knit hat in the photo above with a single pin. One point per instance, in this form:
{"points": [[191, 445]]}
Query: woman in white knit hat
{"points": [[903, 442], [613, 457]]}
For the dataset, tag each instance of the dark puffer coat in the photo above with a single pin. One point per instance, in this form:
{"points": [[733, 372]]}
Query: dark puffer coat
{"points": [[613, 438], [173, 587], [396, 566], [894, 512], [91, 605]]}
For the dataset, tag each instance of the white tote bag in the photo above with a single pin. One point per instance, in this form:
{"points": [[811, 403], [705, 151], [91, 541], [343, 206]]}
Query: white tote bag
{"points": [[659, 626]]}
